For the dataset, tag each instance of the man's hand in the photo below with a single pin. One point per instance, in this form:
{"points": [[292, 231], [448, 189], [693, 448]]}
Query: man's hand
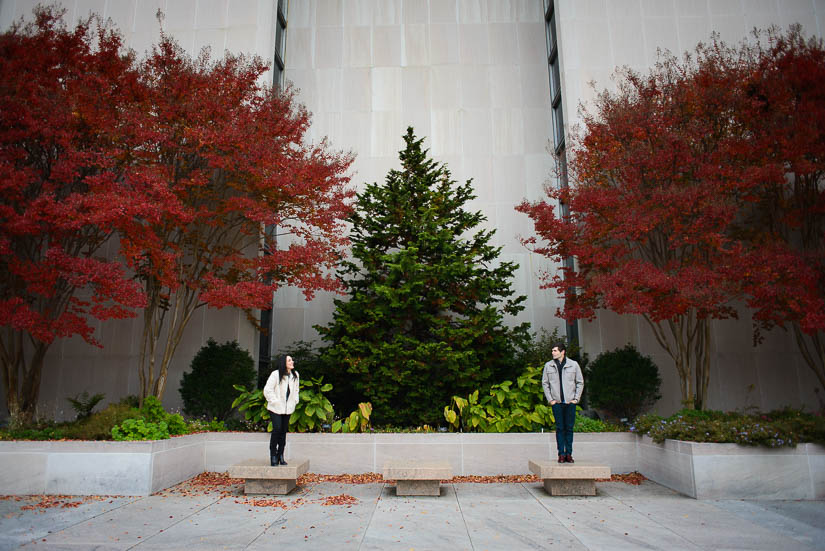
{"points": [[553, 402]]}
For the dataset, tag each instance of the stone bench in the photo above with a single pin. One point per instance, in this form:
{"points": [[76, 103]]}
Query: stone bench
{"points": [[260, 478], [417, 478], [569, 479]]}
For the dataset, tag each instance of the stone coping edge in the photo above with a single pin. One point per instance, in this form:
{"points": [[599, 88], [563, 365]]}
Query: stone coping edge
{"points": [[699, 470]]}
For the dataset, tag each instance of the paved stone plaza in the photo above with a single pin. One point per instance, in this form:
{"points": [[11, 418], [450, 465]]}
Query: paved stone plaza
{"points": [[469, 516]]}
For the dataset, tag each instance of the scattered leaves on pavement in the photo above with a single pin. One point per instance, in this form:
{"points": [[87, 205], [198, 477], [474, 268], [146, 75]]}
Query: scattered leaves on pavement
{"points": [[497, 479], [635, 478], [40, 503], [362, 478], [343, 499]]}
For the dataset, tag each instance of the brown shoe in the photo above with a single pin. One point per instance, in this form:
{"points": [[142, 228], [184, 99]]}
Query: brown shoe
{"points": [[568, 458], [562, 458]]}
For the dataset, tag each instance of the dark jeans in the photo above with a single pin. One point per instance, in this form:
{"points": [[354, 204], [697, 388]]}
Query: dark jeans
{"points": [[565, 415], [280, 426]]}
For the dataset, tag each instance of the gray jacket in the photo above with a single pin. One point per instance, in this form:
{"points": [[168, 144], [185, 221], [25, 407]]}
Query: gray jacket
{"points": [[572, 377]]}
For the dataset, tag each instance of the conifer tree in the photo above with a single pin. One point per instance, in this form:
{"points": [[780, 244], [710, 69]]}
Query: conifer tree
{"points": [[427, 296]]}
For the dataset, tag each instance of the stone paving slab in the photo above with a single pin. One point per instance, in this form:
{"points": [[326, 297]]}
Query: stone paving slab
{"points": [[508, 517], [314, 525], [421, 522], [18, 525], [799, 520]]}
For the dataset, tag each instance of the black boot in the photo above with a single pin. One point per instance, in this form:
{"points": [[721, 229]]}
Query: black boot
{"points": [[281, 459], [273, 460]]}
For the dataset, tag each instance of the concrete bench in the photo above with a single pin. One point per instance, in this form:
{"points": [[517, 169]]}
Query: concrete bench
{"points": [[569, 479], [260, 478], [417, 478]]}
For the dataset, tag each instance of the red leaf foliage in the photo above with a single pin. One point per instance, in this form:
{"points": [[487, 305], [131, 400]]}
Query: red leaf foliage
{"points": [[63, 195], [228, 157], [698, 185]]}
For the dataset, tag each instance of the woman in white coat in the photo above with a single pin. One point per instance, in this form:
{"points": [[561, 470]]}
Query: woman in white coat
{"points": [[281, 392]]}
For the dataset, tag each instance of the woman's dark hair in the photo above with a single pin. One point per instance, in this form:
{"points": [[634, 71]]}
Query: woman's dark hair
{"points": [[280, 366], [561, 346]]}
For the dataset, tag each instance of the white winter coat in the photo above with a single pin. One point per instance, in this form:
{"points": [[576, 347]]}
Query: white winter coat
{"points": [[275, 392]]}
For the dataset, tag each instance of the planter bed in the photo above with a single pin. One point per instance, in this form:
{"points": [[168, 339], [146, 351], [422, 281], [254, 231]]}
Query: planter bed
{"points": [[730, 471], [98, 468], [703, 471]]}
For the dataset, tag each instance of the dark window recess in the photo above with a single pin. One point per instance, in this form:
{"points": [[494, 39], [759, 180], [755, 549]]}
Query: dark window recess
{"points": [[265, 343], [554, 74]]}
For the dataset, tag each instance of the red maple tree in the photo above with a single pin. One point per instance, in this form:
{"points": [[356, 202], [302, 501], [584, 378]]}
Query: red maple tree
{"points": [[233, 158], [783, 230], [698, 185], [655, 187], [63, 192]]}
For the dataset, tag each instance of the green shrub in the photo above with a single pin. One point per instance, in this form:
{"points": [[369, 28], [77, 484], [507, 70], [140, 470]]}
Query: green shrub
{"points": [[357, 421], [203, 425], [312, 412], [508, 407], [252, 404], [313, 409], [151, 422], [83, 404], [207, 390], [585, 424], [152, 410], [786, 427], [41, 431], [138, 429], [98, 426], [623, 382], [130, 400]]}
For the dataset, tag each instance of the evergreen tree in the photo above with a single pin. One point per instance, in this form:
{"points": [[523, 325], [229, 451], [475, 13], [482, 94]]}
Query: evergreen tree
{"points": [[424, 319]]}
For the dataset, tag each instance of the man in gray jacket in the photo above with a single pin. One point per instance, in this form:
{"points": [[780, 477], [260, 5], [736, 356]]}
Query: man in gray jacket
{"points": [[563, 384]]}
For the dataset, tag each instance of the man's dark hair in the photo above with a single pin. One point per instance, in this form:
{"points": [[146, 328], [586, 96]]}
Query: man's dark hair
{"points": [[561, 346]]}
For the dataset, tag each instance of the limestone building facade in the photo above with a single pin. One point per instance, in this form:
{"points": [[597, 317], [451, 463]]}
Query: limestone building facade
{"points": [[495, 87]]}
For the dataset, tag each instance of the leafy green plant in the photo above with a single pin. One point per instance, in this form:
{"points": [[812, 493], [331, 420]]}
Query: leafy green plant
{"points": [[151, 423], [152, 410], [41, 431], [83, 404], [786, 427], [204, 425], [623, 382], [138, 429], [252, 404], [358, 420], [313, 409], [508, 407], [207, 390], [585, 424], [98, 426]]}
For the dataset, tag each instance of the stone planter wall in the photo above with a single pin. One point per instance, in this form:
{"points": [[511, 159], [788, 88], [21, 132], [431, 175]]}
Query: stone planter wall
{"points": [[703, 471], [468, 454], [731, 471], [98, 468]]}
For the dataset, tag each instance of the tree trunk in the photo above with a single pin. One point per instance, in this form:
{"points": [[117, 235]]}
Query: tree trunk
{"points": [[812, 348], [22, 370], [686, 339], [154, 370]]}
